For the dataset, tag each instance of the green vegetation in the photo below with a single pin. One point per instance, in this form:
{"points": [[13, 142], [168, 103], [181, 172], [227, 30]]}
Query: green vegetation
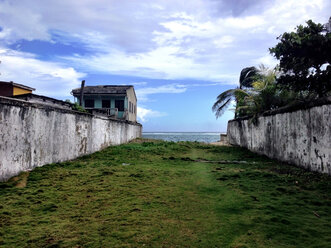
{"points": [[303, 74], [165, 194], [305, 58], [79, 108], [247, 76], [258, 92], [76, 106]]}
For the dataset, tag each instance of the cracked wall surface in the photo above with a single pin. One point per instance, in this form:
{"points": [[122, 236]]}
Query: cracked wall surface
{"points": [[301, 137], [33, 135]]}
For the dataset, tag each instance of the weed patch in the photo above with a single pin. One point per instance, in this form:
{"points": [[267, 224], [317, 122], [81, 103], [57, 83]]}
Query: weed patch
{"points": [[164, 194]]}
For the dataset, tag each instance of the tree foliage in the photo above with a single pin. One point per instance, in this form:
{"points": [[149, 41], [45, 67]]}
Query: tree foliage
{"points": [[247, 76], [224, 100], [304, 72], [305, 58], [75, 106], [262, 93], [266, 94]]}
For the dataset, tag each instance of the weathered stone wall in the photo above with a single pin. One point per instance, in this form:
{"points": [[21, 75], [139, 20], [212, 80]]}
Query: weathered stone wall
{"points": [[33, 135], [300, 137]]}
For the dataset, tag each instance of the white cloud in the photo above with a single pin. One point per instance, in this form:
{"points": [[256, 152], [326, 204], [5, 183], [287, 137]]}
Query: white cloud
{"points": [[207, 40], [224, 41], [19, 22], [143, 93], [49, 78], [203, 47], [139, 83], [143, 114], [266, 60], [243, 23]]}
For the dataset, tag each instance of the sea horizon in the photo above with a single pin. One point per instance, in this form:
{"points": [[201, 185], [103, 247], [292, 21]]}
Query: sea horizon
{"points": [[207, 137]]}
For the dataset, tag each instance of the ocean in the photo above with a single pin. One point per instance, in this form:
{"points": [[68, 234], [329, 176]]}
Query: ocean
{"points": [[189, 136]]}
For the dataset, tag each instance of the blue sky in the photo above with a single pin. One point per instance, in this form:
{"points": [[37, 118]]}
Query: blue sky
{"points": [[179, 55]]}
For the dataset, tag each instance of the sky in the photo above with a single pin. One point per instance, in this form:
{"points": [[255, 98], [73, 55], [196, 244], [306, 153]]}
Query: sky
{"points": [[179, 55]]}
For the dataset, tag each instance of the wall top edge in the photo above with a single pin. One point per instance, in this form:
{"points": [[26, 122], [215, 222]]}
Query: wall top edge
{"points": [[291, 108], [22, 103]]}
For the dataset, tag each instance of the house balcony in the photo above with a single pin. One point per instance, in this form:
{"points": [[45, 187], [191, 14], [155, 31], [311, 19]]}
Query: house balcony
{"points": [[110, 112]]}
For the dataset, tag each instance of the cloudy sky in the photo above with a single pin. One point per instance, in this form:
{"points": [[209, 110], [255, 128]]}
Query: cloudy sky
{"points": [[179, 55]]}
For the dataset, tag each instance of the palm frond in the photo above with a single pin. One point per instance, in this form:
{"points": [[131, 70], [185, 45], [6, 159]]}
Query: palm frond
{"points": [[224, 99], [222, 102], [239, 93], [220, 110], [247, 76]]}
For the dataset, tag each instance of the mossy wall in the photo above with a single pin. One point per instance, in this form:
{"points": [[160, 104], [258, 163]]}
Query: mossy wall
{"points": [[33, 135], [300, 137]]}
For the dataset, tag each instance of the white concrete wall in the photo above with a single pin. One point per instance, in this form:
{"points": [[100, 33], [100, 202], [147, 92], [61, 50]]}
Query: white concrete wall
{"points": [[33, 135], [301, 137]]}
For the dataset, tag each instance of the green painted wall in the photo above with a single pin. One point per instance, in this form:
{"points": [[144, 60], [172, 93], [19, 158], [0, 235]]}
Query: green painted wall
{"points": [[98, 102]]}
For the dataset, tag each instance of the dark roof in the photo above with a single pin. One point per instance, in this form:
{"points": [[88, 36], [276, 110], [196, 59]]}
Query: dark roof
{"points": [[103, 89], [45, 98], [18, 85]]}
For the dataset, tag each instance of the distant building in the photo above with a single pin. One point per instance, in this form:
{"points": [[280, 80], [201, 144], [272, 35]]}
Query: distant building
{"points": [[119, 101], [52, 102], [11, 89], [23, 92]]}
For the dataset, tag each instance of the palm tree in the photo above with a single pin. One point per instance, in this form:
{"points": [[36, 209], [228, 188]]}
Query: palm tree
{"points": [[267, 94], [262, 94], [257, 93], [225, 99], [247, 76]]}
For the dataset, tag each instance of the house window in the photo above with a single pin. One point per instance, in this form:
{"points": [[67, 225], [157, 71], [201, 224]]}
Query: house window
{"points": [[119, 104], [89, 103], [105, 103]]}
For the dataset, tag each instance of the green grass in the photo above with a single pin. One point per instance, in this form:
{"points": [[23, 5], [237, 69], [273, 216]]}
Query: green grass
{"points": [[153, 194]]}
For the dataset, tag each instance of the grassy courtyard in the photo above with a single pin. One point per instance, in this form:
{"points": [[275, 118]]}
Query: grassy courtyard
{"points": [[164, 194]]}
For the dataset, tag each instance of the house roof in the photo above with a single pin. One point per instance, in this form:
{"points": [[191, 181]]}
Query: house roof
{"points": [[103, 89], [18, 85], [44, 98]]}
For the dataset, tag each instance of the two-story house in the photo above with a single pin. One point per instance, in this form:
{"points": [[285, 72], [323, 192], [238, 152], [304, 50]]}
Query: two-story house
{"points": [[119, 101]]}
